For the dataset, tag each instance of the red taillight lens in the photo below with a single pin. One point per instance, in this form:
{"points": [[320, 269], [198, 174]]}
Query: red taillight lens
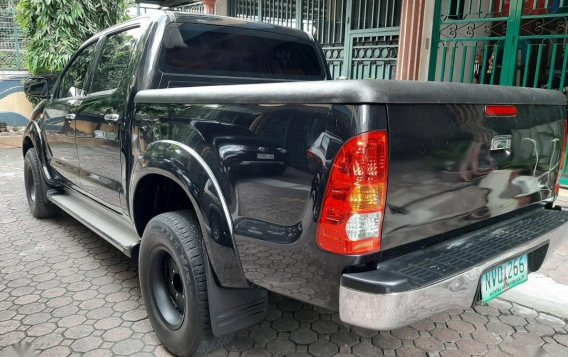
{"points": [[354, 202], [562, 159], [500, 111]]}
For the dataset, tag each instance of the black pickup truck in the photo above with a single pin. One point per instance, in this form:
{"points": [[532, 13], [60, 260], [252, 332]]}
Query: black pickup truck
{"points": [[221, 155]]}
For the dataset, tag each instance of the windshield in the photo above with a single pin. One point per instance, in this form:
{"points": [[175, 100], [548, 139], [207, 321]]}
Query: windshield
{"points": [[198, 49]]}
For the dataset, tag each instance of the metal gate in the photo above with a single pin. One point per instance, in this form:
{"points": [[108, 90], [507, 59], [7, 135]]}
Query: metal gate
{"points": [[359, 37], [506, 42], [11, 48]]}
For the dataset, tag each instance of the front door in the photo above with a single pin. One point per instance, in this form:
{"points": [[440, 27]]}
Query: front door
{"points": [[59, 122], [99, 120]]}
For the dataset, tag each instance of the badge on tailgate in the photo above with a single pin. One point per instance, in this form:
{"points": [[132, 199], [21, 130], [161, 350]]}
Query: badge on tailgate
{"points": [[501, 142]]}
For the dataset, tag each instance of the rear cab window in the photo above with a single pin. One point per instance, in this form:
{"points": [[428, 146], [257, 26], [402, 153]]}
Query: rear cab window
{"points": [[193, 49]]}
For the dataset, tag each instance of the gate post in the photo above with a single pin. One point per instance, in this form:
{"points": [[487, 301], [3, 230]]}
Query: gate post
{"points": [[411, 37], [435, 39], [260, 10], [347, 44], [299, 24], [209, 7], [509, 63]]}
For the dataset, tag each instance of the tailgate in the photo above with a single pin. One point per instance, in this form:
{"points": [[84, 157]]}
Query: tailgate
{"points": [[451, 165]]}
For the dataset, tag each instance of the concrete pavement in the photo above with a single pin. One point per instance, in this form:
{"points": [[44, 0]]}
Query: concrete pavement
{"points": [[66, 291], [547, 289]]}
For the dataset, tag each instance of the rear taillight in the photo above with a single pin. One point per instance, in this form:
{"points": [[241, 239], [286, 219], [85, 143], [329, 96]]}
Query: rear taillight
{"points": [[562, 159], [354, 202]]}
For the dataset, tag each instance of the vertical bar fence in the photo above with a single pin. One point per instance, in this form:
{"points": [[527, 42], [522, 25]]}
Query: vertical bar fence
{"points": [[11, 47], [359, 37]]}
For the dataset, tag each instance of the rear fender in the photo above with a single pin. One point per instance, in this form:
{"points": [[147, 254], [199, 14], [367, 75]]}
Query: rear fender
{"points": [[184, 166]]}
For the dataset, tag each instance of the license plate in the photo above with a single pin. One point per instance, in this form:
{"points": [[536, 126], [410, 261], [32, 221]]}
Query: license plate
{"points": [[504, 277], [265, 156]]}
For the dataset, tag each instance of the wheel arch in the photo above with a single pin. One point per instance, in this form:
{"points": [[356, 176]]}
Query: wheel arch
{"points": [[151, 180], [27, 144], [178, 164], [32, 133], [33, 139]]}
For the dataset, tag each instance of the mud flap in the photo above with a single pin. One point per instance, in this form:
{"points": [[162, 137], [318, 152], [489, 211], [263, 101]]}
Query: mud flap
{"points": [[232, 310]]}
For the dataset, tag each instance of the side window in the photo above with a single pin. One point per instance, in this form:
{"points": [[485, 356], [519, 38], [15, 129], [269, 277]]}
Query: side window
{"points": [[73, 83], [115, 58]]}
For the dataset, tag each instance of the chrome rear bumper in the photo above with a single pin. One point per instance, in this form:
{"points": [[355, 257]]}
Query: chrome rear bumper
{"points": [[385, 311]]}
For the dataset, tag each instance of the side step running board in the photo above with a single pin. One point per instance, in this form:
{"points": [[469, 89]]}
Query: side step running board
{"points": [[98, 218]]}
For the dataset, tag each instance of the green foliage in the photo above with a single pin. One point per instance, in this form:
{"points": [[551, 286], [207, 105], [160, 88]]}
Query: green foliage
{"points": [[54, 29], [8, 61]]}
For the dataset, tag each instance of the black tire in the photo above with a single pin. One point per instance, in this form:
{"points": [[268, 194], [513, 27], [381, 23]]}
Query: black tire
{"points": [[174, 285], [36, 188]]}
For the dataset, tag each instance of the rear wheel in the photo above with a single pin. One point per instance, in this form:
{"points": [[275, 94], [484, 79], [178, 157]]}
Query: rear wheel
{"points": [[36, 188], [174, 284]]}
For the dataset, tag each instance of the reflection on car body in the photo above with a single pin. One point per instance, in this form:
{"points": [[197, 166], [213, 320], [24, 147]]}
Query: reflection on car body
{"points": [[240, 150], [323, 150]]}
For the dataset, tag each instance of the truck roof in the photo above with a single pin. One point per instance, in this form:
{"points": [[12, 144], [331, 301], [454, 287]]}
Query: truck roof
{"points": [[234, 22], [178, 16]]}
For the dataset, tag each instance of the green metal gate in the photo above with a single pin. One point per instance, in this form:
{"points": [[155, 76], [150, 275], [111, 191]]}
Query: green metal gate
{"points": [[359, 37], [505, 42]]}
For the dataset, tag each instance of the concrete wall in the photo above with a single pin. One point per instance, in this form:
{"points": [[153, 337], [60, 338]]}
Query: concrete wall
{"points": [[15, 109], [221, 7]]}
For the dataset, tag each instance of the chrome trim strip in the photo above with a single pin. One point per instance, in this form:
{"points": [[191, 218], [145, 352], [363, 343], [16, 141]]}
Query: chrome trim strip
{"points": [[390, 311], [211, 175], [41, 146]]}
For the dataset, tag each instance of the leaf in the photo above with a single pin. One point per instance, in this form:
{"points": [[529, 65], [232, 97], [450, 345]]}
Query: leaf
{"points": [[54, 29]]}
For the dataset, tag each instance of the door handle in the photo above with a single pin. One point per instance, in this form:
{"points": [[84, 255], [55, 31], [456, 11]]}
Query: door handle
{"points": [[111, 118], [70, 117]]}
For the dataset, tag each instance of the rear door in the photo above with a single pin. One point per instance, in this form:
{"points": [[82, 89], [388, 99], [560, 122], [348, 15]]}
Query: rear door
{"points": [[100, 119], [60, 114]]}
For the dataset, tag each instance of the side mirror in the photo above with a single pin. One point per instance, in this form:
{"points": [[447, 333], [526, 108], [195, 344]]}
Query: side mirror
{"points": [[36, 87]]}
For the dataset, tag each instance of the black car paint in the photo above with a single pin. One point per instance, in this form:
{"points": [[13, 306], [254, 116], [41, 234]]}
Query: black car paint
{"points": [[272, 213], [260, 227], [443, 175], [274, 237]]}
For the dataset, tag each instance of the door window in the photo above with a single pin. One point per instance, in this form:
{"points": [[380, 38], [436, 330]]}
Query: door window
{"points": [[74, 81], [117, 52]]}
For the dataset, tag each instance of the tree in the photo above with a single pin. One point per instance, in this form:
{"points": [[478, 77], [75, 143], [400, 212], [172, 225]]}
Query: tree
{"points": [[54, 29]]}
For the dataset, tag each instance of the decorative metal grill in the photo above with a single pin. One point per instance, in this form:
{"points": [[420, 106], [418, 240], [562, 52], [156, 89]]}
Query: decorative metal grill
{"points": [[374, 57], [371, 42], [11, 48], [142, 9], [507, 42], [376, 14], [196, 8]]}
